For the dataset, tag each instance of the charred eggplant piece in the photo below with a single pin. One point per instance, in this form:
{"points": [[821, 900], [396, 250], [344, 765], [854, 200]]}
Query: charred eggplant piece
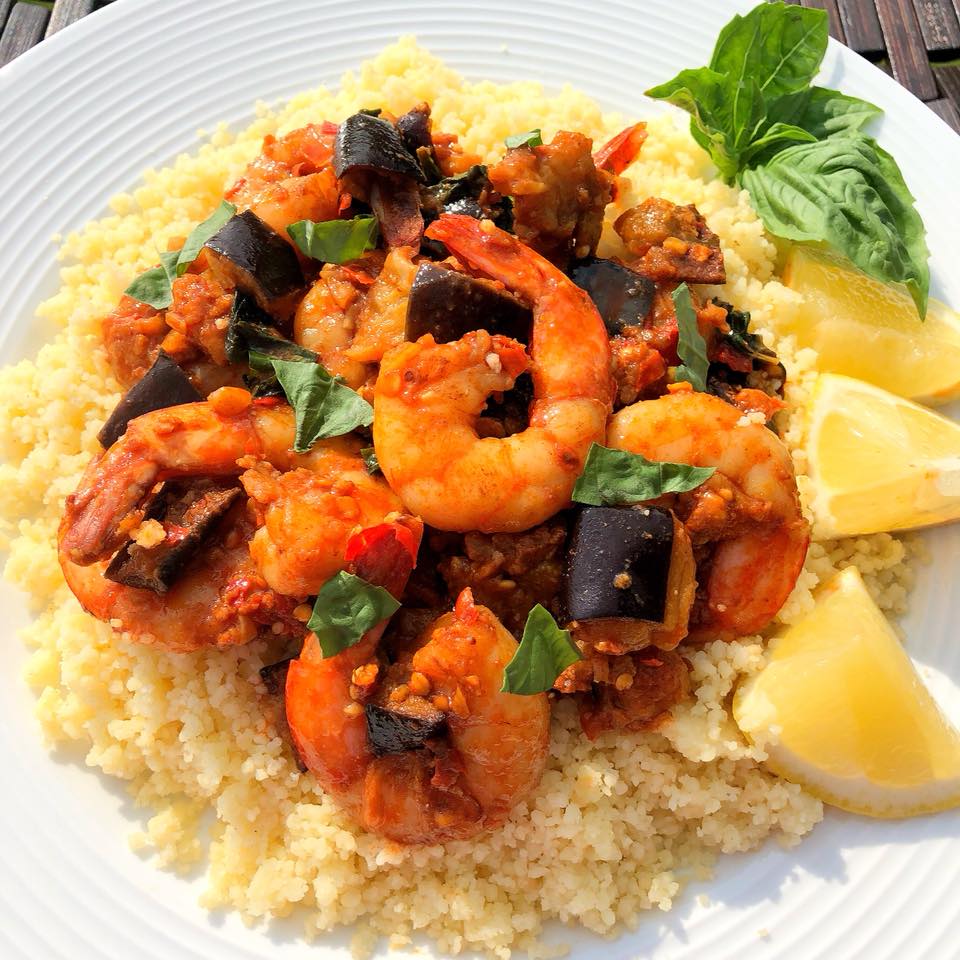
{"points": [[398, 727], [274, 676], [163, 385], [251, 256], [189, 514], [739, 353], [471, 194], [414, 128], [366, 143], [449, 304], [622, 296], [251, 328], [629, 578]]}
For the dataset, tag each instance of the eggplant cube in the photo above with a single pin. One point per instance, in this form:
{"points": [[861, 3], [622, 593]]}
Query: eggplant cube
{"points": [[398, 727], [622, 296], [192, 512], [253, 257], [448, 304], [163, 385], [368, 143]]}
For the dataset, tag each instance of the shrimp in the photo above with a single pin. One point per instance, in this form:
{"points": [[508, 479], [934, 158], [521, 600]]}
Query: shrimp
{"points": [[428, 398], [326, 320], [749, 535], [218, 600], [292, 179], [457, 783], [307, 515]]}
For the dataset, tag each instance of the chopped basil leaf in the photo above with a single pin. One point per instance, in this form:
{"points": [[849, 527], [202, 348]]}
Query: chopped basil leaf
{"points": [[155, 286], [372, 111], [346, 608], [531, 138], [370, 460], [545, 651], [322, 405], [201, 233], [335, 241], [613, 478], [691, 347]]}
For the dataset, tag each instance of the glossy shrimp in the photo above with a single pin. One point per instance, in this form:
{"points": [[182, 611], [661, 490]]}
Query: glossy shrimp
{"points": [[749, 535], [306, 505], [429, 396], [492, 748]]}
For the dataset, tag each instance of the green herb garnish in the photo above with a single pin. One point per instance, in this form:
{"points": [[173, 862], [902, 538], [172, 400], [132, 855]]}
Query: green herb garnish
{"points": [[798, 149], [531, 138], [201, 233], [323, 405], [370, 460], [346, 608], [155, 286], [614, 478], [335, 241], [691, 347], [545, 651]]}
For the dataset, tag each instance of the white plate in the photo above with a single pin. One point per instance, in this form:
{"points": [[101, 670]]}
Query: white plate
{"points": [[80, 117]]}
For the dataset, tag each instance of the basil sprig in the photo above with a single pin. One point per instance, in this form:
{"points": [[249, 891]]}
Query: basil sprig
{"points": [[323, 406], [613, 478], [370, 461], [155, 286], [691, 347], [335, 241], [532, 138], [799, 150], [545, 651], [345, 609]]}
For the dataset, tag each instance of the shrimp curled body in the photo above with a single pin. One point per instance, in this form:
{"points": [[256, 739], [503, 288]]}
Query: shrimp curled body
{"points": [[747, 528], [428, 398]]}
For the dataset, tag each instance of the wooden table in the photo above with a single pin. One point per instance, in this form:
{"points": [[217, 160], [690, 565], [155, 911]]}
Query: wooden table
{"points": [[917, 41]]}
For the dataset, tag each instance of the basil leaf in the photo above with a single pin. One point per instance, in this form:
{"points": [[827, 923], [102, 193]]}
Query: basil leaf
{"points": [[726, 117], [848, 192], [370, 460], [201, 233], [777, 45], [155, 286], [691, 347], [531, 138], [322, 405], [346, 608], [335, 241], [613, 478], [822, 112], [545, 651]]}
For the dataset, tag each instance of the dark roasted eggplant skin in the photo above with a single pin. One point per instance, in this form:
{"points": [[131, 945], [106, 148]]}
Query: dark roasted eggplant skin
{"points": [[414, 128], [194, 511], [261, 262], [622, 296], [618, 563], [390, 730], [163, 385], [448, 304], [369, 143], [468, 193]]}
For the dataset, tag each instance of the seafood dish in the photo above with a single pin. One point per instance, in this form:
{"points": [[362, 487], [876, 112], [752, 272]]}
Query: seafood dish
{"points": [[452, 493]]}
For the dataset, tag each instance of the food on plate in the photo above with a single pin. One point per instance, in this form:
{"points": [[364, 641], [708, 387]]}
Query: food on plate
{"points": [[878, 461], [857, 325], [846, 712], [435, 491]]}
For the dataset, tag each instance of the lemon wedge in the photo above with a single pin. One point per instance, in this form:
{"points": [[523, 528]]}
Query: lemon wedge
{"points": [[843, 712], [877, 461], [867, 329]]}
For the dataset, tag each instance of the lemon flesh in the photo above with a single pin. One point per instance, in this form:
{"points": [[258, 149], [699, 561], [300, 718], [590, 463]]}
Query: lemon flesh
{"points": [[863, 328], [877, 461], [851, 720]]}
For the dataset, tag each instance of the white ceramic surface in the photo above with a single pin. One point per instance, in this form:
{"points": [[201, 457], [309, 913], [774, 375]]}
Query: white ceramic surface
{"points": [[80, 117]]}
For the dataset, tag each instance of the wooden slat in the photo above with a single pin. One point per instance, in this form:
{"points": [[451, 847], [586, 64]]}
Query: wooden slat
{"points": [[948, 81], [833, 13], [947, 110], [66, 12], [861, 25], [24, 29], [938, 24], [905, 47], [5, 7]]}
